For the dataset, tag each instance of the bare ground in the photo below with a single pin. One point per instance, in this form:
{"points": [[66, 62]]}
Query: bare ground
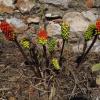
{"points": [[18, 82]]}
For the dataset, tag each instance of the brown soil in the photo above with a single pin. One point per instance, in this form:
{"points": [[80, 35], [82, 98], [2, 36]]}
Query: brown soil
{"points": [[18, 82]]}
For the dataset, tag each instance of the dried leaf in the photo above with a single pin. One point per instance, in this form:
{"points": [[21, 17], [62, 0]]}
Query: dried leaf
{"points": [[98, 80], [96, 67], [12, 98], [53, 92]]}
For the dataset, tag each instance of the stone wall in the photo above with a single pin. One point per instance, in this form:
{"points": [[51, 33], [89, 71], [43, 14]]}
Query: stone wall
{"points": [[21, 14]]}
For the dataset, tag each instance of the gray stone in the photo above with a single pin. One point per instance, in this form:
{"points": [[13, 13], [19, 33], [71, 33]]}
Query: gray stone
{"points": [[97, 3], [33, 20], [8, 3], [77, 21], [77, 4], [53, 29], [18, 24], [59, 3], [25, 5], [90, 15], [79, 48]]}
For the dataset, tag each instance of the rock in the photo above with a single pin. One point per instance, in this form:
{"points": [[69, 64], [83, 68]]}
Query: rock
{"points": [[1, 18], [54, 15], [97, 3], [18, 24], [53, 29], [77, 4], [77, 21], [30, 33], [77, 48], [25, 5], [8, 3], [90, 15], [33, 20], [63, 3], [5, 9], [95, 48]]}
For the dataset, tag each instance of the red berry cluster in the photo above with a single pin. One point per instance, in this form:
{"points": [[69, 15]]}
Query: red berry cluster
{"points": [[42, 34], [7, 30], [98, 25]]}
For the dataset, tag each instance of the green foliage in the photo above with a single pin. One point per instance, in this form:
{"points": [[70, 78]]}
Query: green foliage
{"points": [[96, 67], [90, 32], [51, 44], [55, 63], [65, 30]]}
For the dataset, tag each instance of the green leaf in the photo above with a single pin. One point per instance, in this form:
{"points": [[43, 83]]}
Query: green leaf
{"points": [[96, 67]]}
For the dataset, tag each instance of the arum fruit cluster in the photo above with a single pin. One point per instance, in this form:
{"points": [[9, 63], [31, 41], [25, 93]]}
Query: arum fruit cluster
{"points": [[7, 30]]}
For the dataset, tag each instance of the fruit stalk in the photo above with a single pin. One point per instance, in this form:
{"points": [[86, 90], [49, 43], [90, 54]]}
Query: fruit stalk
{"points": [[62, 49], [88, 50], [35, 61], [45, 55], [21, 50]]}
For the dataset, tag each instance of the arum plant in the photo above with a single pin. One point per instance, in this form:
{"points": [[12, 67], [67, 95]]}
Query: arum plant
{"points": [[93, 30], [65, 29], [42, 40], [11, 36]]}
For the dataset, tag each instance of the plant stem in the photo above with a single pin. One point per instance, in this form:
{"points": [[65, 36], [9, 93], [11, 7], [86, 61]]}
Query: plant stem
{"points": [[24, 55], [45, 55], [33, 54], [62, 49], [94, 40], [21, 50], [85, 46], [87, 51]]}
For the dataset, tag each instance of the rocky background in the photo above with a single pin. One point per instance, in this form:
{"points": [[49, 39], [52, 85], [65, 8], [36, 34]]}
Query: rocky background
{"points": [[23, 14]]}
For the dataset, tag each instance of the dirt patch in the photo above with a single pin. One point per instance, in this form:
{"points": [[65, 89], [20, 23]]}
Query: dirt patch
{"points": [[18, 82]]}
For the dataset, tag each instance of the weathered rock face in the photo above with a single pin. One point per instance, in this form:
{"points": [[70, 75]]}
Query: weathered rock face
{"points": [[90, 15], [63, 3], [97, 3], [8, 3], [53, 29], [25, 5], [18, 24], [23, 15], [76, 20], [33, 20], [79, 48], [7, 6]]}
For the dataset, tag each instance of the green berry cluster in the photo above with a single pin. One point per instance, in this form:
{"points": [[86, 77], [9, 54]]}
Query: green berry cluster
{"points": [[65, 29], [25, 43], [55, 63], [51, 44], [90, 32], [42, 41]]}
